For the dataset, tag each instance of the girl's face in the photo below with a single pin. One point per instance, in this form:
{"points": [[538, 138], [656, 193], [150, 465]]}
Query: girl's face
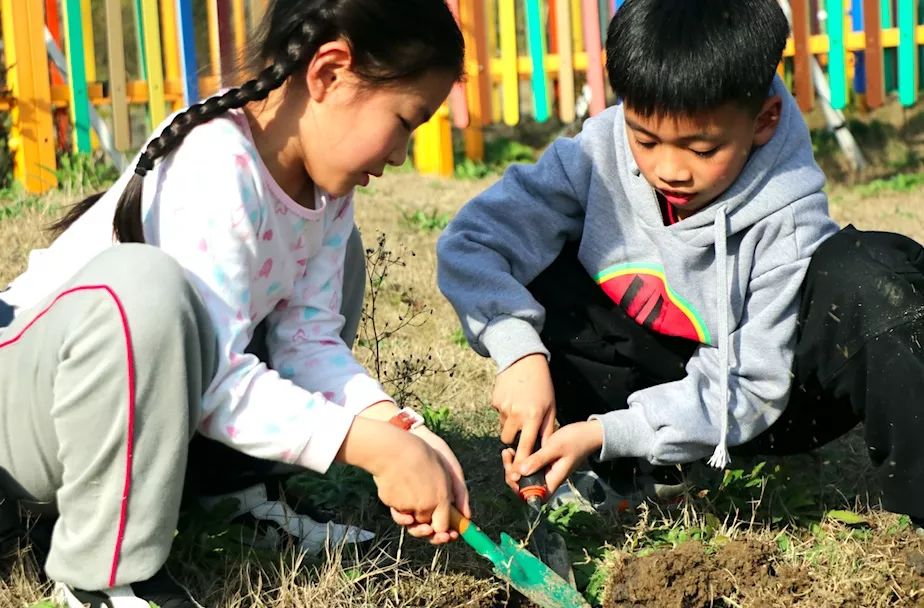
{"points": [[352, 130]]}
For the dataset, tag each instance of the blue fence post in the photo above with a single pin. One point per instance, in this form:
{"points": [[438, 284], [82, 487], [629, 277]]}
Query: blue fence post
{"points": [[187, 51]]}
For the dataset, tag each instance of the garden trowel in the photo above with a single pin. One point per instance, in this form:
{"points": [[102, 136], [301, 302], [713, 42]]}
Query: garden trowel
{"points": [[519, 567], [546, 543]]}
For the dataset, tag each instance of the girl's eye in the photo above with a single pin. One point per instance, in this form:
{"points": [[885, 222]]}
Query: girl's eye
{"points": [[706, 153], [646, 144], [405, 123]]}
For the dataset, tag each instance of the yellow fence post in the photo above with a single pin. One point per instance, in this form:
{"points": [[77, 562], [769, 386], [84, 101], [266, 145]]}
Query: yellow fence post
{"points": [[32, 136], [157, 103], [433, 145], [171, 47], [510, 76]]}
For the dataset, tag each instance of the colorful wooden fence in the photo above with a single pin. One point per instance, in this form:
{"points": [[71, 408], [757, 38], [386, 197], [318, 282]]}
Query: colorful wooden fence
{"points": [[527, 60]]}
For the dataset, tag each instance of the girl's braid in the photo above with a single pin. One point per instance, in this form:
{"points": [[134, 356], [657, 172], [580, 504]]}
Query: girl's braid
{"points": [[302, 44]]}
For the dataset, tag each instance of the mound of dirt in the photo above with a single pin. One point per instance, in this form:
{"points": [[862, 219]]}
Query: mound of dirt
{"points": [[690, 577], [751, 573]]}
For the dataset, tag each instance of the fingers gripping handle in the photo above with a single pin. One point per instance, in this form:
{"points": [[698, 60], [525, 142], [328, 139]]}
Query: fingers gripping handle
{"points": [[533, 486], [457, 521]]}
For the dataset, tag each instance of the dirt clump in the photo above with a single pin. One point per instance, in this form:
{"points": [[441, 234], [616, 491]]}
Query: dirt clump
{"points": [[753, 573], [690, 576]]}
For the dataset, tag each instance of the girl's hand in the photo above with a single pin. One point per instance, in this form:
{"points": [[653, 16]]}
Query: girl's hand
{"points": [[525, 399], [563, 452], [413, 479], [459, 489]]}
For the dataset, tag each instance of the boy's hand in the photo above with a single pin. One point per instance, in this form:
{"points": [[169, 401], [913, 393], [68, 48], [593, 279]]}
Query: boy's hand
{"points": [[563, 452], [525, 399]]}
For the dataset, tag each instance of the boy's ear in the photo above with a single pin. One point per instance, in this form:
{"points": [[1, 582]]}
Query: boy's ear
{"points": [[767, 120], [329, 68]]}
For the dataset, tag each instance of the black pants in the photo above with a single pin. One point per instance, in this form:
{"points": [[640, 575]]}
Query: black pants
{"points": [[859, 356]]}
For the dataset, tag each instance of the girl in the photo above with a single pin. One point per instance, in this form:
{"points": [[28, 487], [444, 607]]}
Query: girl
{"points": [[237, 215]]}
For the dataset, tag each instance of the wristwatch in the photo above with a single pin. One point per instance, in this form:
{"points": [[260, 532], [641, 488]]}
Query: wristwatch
{"points": [[407, 419]]}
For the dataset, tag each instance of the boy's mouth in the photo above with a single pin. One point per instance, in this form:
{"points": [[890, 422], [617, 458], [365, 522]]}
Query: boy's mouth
{"points": [[677, 198]]}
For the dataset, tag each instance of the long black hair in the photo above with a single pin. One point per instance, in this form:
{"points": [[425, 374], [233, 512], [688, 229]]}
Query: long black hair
{"points": [[390, 40]]}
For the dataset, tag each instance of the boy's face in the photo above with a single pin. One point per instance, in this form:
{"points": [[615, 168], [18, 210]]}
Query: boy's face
{"points": [[691, 160]]}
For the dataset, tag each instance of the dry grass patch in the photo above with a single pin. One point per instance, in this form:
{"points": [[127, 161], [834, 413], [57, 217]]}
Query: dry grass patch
{"points": [[767, 545]]}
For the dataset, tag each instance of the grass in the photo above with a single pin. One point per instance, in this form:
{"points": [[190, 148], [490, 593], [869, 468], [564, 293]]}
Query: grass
{"points": [[903, 182], [803, 531]]}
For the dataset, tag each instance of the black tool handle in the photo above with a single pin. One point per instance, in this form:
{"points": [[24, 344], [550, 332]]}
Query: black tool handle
{"points": [[532, 486]]}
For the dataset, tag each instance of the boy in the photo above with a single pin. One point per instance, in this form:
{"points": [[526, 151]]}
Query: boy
{"points": [[656, 271]]}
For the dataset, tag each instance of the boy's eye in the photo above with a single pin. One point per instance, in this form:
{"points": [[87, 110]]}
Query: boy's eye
{"points": [[706, 153], [645, 144], [405, 123]]}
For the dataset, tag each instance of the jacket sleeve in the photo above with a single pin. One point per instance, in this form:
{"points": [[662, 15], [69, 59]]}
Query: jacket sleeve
{"points": [[502, 239]]}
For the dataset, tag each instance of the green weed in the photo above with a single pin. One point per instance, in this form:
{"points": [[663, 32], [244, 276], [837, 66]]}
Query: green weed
{"points": [[473, 169], [775, 494], [85, 172], [903, 182], [428, 221], [458, 338], [502, 151], [22, 202], [498, 154], [437, 419]]}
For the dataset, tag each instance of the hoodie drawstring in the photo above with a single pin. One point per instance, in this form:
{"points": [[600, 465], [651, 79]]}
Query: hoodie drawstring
{"points": [[720, 457]]}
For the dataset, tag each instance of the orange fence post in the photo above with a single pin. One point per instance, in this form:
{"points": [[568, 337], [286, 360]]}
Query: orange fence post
{"points": [[802, 68], [471, 14], [32, 137], [458, 104], [872, 26], [565, 61]]}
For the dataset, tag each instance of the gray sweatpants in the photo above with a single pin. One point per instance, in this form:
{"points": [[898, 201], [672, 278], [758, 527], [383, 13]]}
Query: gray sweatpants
{"points": [[100, 389]]}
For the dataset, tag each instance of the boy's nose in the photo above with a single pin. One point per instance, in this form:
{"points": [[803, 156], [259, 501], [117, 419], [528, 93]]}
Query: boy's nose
{"points": [[670, 169]]}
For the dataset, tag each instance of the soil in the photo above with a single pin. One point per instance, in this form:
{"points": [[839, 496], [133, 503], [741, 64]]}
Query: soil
{"points": [[752, 572]]}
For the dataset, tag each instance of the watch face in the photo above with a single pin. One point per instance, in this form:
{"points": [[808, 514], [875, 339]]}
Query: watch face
{"points": [[402, 420], [407, 419]]}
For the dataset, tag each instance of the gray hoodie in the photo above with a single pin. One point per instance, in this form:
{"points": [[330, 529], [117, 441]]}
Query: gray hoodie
{"points": [[727, 277]]}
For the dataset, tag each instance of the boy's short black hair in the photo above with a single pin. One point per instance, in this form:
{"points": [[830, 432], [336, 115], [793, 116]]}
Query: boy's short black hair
{"points": [[688, 56]]}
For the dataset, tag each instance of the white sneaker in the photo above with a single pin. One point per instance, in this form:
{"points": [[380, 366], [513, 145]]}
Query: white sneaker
{"points": [[278, 521]]}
